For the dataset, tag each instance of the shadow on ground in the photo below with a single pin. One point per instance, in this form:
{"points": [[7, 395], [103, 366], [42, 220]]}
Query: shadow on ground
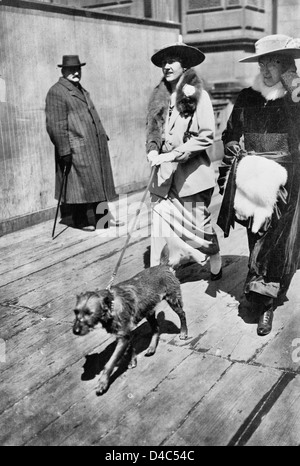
{"points": [[95, 362]]}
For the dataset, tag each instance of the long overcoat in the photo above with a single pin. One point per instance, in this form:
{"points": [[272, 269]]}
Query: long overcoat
{"points": [[270, 126], [74, 127]]}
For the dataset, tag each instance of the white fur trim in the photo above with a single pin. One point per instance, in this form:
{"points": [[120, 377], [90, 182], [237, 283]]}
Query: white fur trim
{"points": [[269, 93], [257, 183]]}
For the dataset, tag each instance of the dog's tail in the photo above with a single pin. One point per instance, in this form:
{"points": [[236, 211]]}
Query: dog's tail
{"points": [[164, 259], [164, 256]]}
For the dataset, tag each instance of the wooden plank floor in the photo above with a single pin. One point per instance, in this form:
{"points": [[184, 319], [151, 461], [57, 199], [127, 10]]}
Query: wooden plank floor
{"points": [[223, 386]]}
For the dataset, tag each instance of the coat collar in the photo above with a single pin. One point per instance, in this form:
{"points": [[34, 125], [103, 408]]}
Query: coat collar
{"points": [[188, 93], [73, 89], [173, 118], [269, 93]]}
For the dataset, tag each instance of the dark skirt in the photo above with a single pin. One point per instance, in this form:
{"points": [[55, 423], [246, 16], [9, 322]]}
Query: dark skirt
{"points": [[275, 249]]}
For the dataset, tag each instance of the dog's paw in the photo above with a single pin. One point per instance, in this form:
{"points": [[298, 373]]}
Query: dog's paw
{"points": [[103, 385], [150, 351], [133, 363], [183, 335]]}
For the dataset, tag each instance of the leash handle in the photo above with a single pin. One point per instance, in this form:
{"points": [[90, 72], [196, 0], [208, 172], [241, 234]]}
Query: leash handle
{"points": [[129, 234]]}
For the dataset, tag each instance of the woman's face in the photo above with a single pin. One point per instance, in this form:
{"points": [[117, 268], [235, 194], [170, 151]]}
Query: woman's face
{"points": [[172, 69], [271, 68]]}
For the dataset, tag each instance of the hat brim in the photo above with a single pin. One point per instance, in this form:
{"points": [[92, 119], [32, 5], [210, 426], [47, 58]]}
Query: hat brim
{"points": [[295, 53], [71, 66], [190, 56]]}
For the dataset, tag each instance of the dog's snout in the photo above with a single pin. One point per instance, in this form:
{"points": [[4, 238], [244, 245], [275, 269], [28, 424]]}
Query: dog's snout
{"points": [[76, 329], [80, 328]]}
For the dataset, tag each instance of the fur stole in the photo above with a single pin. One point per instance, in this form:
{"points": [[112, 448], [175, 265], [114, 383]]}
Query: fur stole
{"points": [[269, 93], [258, 181], [188, 93]]}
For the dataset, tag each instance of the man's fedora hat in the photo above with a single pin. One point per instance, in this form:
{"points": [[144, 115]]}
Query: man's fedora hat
{"points": [[70, 60], [190, 56], [273, 44]]}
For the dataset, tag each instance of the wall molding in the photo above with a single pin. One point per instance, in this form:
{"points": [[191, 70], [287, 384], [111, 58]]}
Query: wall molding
{"points": [[85, 13]]}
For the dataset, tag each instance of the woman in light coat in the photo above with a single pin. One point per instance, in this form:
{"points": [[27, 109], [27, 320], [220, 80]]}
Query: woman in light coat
{"points": [[180, 128]]}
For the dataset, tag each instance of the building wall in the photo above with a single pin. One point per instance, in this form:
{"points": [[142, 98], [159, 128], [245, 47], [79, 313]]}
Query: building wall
{"points": [[164, 10], [289, 17], [118, 75]]}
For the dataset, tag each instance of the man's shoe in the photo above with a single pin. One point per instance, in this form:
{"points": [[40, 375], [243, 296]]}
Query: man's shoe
{"points": [[85, 227], [264, 326], [88, 228]]}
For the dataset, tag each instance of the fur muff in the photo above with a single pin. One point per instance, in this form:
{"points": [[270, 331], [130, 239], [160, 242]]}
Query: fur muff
{"points": [[188, 91], [258, 181]]}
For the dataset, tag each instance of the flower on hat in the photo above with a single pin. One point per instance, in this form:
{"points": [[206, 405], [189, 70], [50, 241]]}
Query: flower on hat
{"points": [[188, 90]]}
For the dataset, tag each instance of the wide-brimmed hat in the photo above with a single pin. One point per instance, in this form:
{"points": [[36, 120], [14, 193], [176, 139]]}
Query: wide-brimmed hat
{"points": [[275, 43], [70, 60], [190, 56]]}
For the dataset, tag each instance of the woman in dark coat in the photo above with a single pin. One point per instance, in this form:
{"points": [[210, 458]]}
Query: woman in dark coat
{"points": [[266, 117], [80, 141]]}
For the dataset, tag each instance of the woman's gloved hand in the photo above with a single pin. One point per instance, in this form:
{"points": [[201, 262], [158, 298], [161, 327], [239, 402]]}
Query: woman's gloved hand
{"points": [[161, 158], [231, 150], [152, 155]]}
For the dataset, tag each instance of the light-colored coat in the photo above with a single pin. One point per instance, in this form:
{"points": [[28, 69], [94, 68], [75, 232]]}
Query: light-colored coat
{"points": [[74, 127], [191, 172], [194, 172]]}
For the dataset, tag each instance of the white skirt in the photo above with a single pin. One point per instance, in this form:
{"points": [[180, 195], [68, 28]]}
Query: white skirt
{"points": [[184, 225]]}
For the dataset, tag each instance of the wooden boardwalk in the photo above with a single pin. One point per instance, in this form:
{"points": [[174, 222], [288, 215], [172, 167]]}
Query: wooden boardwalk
{"points": [[223, 386]]}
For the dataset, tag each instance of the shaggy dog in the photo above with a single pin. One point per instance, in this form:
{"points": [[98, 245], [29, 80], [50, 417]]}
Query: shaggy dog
{"points": [[258, 181], [122, 307]]}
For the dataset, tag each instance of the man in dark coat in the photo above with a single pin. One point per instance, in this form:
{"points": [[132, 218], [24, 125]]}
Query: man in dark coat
{"points": [[80, 141]]}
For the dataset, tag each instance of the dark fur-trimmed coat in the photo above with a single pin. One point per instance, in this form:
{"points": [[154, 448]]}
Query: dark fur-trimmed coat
{"points": [[74, 127], [192, 171], [269, 124]]}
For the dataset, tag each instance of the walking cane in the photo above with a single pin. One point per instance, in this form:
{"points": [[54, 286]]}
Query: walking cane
{"points": [[59, 199]]}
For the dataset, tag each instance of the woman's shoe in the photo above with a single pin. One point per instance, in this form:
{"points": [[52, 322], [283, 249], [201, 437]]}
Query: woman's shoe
{"points": [[116, 223], [216, 276], [215, 264], [264, 326]]}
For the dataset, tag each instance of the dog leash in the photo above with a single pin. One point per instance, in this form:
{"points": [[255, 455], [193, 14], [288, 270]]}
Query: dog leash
{"points": [[129, 234]]}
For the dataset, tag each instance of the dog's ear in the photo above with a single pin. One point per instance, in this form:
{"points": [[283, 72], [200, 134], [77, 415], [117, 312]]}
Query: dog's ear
{"points": [[107, 300], [103, 307], [78, 296]]}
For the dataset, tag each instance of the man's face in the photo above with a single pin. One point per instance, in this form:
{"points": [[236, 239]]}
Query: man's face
{"points": [[72, 73]]}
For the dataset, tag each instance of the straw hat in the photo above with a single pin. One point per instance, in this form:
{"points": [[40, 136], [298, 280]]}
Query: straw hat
{"points": [[70, 60], [190, 56], [275, 43]]}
